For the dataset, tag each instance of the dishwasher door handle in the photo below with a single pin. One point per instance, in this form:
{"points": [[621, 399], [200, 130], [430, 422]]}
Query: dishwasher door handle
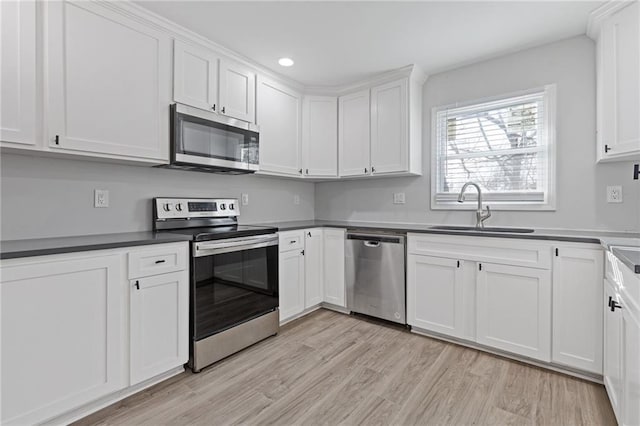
{"points": [[373, 244]]}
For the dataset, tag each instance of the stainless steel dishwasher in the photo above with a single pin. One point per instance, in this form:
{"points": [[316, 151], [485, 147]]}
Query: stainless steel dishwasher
{"points": [[375, 277]]}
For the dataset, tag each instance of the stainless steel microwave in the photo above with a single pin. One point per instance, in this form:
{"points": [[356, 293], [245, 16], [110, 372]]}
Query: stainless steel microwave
{"points": [[206, 141]]}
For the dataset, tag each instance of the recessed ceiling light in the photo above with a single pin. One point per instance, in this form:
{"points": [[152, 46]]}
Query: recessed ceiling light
{"points": [[285, 62]]}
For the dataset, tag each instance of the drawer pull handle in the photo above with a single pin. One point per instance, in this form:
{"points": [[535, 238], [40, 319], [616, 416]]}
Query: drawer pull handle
{"points": [[137, 285], [160, 261], [292, 242], [615, 305]]}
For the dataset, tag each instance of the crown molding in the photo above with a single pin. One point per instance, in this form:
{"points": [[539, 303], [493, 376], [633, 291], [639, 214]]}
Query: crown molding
{"points": [[601, 13]]}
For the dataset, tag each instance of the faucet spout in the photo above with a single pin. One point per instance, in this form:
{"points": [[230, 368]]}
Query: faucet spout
{"points": [[481, 216]]}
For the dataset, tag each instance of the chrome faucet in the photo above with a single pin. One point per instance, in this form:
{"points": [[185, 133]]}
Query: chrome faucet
{"points": [[481, 216]]}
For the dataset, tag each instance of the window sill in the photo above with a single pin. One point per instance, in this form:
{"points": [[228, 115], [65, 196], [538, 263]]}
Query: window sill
{"points": [[495, 206]]}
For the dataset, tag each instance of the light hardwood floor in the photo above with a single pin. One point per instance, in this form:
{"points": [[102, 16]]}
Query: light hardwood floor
{"points": [[332, 369]]}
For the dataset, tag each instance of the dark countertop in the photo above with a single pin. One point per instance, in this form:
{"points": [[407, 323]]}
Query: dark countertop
{"points": [[630, 256], [605, 238], [43, 246]]}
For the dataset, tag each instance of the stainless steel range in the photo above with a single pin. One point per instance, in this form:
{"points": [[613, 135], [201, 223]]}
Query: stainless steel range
{"points": [[234, 275]]}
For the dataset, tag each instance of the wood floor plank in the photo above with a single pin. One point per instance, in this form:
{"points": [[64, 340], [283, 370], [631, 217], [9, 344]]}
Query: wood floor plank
{"points": [[334, 369]]}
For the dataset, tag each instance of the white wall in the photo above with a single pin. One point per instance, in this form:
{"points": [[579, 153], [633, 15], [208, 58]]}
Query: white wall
{"points": [[580, 183], [44, 197]]}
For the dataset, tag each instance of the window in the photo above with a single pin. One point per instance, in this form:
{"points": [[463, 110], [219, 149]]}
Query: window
{"points": [[505, 145]]}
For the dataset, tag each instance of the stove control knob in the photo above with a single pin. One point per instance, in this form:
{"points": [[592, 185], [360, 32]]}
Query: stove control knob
{"points": [[179, 207], [167, 207], [231, 207], [222, 207]]}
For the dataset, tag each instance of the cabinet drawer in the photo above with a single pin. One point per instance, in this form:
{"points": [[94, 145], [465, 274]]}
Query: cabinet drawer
{"points": [[504, 251], [291, 240], [158, 260]]}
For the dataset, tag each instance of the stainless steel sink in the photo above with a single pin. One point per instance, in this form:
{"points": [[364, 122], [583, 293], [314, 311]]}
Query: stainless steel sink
{"points": [[485, 229]]}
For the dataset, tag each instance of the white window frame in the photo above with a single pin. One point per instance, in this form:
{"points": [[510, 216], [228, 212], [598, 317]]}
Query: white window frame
{"points": [[521, 203]]}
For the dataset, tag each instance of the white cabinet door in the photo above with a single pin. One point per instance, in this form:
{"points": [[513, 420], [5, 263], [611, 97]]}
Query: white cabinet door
{"points": [[109, 82], [390, 128], [62, 337], [313, 267], [320, 136], [195, 76], [291, 289], [278, 115], [577, 308], [631, 366], [237, 91], [353, 134], [619, 84], [435, 294], [612, 366], [159, 324], [18, 72], [514, 309], [334, 283]]}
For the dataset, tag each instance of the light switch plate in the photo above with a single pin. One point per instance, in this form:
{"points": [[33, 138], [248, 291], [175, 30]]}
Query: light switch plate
{"points": [[614, 194], [101, 198], [398, 198], [245, 199]]}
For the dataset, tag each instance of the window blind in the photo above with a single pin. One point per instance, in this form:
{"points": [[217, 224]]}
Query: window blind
{"points": [[502, 145]]}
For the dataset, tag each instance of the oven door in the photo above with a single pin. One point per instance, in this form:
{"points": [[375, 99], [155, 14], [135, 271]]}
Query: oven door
{"points": [[208, 140], [233, 281]]}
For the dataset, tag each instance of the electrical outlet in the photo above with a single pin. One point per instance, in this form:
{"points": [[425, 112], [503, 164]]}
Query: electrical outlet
{"points": [[101, 198], [398, 198], [614, 194], [296, 199], [245, 199]]}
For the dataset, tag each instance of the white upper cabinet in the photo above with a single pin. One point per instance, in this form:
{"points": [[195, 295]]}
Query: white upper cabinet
{"points": [[237, 91], [278, 115], [353, 134], [320, 136], [18, 73], [109, 84], [618, 81], [389, 128], [195, 76], [577, 307]]}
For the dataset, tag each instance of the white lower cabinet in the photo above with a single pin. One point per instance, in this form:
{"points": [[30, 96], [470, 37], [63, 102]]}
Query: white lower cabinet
{"points": [[159, 324], [435, 289], [631, 365], [64, 330], [291, 283], [514, 309], [334, 282], [612, 366], [313, 268], [577, 307], [62, 334]]}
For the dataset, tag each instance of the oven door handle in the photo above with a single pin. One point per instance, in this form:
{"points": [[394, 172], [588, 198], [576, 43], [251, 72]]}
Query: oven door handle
{"points": [[236, 244]]}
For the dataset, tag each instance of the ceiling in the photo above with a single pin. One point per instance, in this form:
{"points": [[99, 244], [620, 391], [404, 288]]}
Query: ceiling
{"points": [[334, 43]]}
